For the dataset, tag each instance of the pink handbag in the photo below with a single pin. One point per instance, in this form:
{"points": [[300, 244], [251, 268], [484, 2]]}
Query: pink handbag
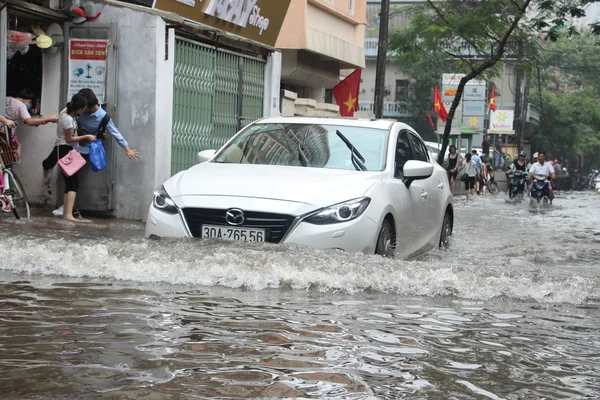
{"points": [[71, 163]]}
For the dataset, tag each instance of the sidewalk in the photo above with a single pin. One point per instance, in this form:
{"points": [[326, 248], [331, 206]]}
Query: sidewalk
{"points": [[43, 222], [499, 177]]}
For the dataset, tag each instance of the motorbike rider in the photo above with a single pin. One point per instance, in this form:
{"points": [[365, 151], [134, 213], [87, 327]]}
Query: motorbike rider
{"points": [[520, 164], [542, 169]]}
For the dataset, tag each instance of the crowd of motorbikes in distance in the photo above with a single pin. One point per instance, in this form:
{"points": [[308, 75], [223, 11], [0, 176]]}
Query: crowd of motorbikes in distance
{"points": [[519, 182], [586, 182]]}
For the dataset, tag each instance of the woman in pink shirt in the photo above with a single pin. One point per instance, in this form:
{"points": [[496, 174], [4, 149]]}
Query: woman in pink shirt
{"points": [[17, 110]]}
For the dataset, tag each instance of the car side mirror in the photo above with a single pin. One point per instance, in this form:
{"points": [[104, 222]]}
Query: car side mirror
{"points": [[416, 170], [206, 155]]}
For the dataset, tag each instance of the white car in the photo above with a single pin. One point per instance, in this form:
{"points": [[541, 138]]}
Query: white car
{"points": [[357, 185]]}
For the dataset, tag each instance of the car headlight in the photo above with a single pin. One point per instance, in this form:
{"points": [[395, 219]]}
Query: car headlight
{"points": [[342, 212], [163, 202]]}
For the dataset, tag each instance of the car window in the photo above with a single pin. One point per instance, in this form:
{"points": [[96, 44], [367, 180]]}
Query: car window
{"points": [[309, 146], [403, 153], [419, 151]]}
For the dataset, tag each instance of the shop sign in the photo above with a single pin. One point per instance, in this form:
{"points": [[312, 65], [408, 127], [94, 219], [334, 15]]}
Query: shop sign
{"points": [[454, 79], [257, 20], [501, 122], [475, 93], [448, 92], [473, 122], [474, 108], [87, 67]]}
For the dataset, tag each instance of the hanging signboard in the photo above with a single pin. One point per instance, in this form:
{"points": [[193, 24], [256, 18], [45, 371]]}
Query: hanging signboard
{"points": [[501, 122], [257, 20], [87, 67]]}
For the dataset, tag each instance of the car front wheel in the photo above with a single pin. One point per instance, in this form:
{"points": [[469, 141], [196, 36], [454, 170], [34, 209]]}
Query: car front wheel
{"points": [[386, 242], [446, 231]]}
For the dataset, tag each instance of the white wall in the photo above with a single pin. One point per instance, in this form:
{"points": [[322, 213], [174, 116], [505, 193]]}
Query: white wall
{"points": [[392, 73], [144, 107], [272, 85]]}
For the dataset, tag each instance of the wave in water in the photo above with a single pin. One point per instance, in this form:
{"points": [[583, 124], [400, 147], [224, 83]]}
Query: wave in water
{"points": [[259, 267]]}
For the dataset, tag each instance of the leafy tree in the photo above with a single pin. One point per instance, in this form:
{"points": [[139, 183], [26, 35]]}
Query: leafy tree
{"points": [[569, 96], [477, 34]]}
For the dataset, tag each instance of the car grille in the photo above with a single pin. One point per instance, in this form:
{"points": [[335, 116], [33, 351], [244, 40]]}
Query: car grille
{"points": [[275, 225]]}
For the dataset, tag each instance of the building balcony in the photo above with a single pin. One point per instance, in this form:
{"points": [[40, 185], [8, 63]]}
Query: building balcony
{"points": [[391, 109]]}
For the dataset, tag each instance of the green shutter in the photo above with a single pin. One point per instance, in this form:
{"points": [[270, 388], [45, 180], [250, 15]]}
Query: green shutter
{"points": [[208, 88]]}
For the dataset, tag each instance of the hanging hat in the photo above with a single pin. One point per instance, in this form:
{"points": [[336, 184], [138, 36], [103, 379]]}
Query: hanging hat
{"points": [[86, 11], [78, 15], [91, 10]]}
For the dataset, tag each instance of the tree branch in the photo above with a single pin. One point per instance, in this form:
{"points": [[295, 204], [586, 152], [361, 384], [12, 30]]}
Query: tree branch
{"points": [[474, 73], [439, 13], [517, 5]]}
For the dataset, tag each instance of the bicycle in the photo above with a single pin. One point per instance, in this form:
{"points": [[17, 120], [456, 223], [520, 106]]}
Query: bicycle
{"points": [[489, 181], [12, 194]]}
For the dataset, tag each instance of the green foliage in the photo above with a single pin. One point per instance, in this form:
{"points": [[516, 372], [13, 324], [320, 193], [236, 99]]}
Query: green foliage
{"points": [[570, 99], [473, 36]]}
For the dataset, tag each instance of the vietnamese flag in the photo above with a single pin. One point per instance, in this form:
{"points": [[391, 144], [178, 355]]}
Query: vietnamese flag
{"points": [[493, 99], [438, 106], [346, 94]]}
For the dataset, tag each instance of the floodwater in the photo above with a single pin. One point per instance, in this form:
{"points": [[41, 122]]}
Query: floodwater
{"points": [[511, 311]]}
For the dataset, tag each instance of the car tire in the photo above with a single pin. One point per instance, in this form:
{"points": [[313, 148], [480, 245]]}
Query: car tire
{"points": [[446, 231], [386, 241]]}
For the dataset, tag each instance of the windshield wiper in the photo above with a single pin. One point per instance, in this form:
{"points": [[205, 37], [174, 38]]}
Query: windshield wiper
{"points": [[357, 159]]}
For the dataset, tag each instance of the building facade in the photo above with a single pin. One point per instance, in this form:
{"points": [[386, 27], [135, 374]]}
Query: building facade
{"points": [[319, 38], [396, 83], [178, 78]]}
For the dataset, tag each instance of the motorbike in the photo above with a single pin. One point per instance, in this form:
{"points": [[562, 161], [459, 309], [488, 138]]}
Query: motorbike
{"points": [[540, 192], [517, 186], [579, 182]]}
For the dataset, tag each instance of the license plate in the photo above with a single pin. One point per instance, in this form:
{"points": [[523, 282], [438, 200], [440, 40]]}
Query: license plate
{"points": [[229, 233]]}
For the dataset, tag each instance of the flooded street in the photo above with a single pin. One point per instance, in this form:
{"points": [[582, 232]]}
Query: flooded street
{"points": [[511, 311]]}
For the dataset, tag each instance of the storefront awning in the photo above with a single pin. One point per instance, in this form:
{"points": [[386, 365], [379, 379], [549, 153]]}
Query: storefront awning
{"points": [[33, 11]]}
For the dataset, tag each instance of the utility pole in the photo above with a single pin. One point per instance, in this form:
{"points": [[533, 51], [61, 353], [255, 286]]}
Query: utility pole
{"points": [[518, 105], [382, 45]]}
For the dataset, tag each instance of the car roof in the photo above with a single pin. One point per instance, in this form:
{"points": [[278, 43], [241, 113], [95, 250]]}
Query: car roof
{"points": [[355, 122]]}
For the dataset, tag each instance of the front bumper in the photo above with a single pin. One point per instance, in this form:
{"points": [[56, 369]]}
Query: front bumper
{"points": [[359, 235]]}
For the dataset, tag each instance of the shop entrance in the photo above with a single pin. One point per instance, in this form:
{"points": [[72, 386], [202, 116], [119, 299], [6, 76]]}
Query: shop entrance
{"points": [[216, 93], [24, 64], [96, 188]]}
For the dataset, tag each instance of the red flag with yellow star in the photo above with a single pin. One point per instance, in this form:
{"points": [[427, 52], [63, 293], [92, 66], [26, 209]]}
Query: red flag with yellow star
{"points": [[346, 94], [438, 105], [493, 99]]}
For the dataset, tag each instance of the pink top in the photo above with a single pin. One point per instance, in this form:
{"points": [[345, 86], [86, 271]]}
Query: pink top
{"points": [[16, 110]]}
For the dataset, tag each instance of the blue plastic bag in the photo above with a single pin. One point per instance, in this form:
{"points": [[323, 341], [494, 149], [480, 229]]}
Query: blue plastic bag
{"points": [[97, 156]]}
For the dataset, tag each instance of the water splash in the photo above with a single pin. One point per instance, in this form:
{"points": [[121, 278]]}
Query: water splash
{"points": [[260, 267]]}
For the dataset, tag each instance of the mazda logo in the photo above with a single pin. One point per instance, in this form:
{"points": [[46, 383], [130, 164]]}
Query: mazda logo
{"points": [[235, 217]]}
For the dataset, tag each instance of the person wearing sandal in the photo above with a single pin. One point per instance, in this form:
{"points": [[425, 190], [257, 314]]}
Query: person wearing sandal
{"points": [[66, 140]]}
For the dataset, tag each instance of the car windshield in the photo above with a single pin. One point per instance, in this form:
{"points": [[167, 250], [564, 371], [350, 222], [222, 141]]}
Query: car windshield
{"points": [[309, 145]]}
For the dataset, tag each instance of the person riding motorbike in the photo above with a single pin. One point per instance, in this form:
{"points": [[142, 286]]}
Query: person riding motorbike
{"points": [[520, 164], [542, 169]]}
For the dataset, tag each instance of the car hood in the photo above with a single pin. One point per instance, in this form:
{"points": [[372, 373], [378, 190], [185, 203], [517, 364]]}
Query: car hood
{"points": [[315, 186]]}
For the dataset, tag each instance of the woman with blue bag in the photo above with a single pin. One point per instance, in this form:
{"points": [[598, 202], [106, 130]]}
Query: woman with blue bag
{"points": [[95, 121]]}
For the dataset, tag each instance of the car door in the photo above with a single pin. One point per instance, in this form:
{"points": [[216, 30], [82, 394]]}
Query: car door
{"points": [[433, 188], [408, 203]]}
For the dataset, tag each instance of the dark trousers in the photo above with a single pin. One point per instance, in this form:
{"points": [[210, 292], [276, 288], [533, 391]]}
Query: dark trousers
{"points": [[71, 182]]}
